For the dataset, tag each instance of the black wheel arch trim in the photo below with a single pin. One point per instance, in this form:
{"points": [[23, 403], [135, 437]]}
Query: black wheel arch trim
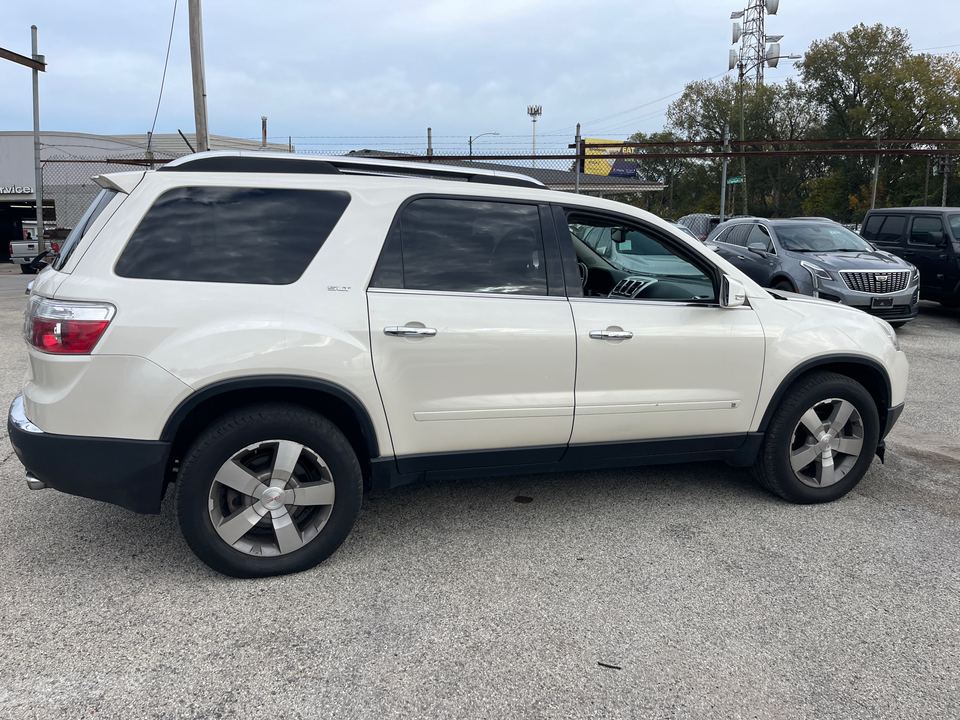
{"points": [[258, 382], [826, 362]]}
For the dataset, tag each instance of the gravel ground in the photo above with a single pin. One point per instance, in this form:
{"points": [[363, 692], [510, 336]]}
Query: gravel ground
{"points": [[667, 592]]}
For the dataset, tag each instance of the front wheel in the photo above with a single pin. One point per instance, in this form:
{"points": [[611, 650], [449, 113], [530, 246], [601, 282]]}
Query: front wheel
{"points": [[268, 490], [820, 441]]}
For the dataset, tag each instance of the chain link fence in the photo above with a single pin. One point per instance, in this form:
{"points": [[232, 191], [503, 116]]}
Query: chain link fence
{"points": [[67, 181]]}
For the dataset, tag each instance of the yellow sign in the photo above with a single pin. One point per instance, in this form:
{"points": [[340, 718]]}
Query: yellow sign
{"points": [[616, 161]]}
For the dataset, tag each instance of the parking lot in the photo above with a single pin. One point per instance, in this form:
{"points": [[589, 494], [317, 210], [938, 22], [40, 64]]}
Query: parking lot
{"points": [[679, 591]]}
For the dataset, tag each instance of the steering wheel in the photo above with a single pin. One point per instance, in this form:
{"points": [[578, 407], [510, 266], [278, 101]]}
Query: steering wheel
{"points": [[582, 267]]}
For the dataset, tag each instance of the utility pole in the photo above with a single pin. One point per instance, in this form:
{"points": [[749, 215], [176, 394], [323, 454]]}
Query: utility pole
{"points": [[38, 64], [946, 174], [36, 137], [723, 177], [199, 80], [876, 176]]}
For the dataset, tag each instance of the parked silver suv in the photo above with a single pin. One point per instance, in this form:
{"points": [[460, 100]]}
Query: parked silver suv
{"points": [[269, 336], [816, 256]]}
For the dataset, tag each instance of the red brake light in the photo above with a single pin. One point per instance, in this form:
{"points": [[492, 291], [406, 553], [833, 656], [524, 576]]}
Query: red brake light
{"points": [[55, 247], [66, 328]]}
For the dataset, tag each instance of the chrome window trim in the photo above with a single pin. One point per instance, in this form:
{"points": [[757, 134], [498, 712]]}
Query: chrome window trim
{"points": [[444, 293], [659, 303]]}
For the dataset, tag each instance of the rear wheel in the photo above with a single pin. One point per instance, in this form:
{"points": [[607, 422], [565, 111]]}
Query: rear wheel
{"points": [[784, 285], [820, 441], [268, 490]]}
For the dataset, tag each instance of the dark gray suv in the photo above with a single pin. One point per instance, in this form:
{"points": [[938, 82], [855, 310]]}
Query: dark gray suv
{"points": [[930, 238], [822, 258]]}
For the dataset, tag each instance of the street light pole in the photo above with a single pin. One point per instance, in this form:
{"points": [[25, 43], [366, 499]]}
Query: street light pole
{"points": [[723, 178], [477, 137]]}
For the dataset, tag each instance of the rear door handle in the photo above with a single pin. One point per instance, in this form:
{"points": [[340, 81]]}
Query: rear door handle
{"points": [[406, 331], [611, 334]]}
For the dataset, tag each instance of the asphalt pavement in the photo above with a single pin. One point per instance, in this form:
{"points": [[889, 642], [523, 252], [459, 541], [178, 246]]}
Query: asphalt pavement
{"points": [[680, 591]]}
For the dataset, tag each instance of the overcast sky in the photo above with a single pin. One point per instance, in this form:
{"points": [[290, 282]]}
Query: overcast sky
{"points": [[343, 74]]}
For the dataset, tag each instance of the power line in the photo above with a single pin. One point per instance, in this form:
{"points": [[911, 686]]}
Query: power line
{"points": [[165, 63]]}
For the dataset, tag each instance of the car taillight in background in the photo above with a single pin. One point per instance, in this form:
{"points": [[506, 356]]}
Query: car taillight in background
{"points": [[54, 247], [65, 328]]}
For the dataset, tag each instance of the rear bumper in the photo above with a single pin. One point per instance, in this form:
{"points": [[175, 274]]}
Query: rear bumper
{"points": [[128, 473]]}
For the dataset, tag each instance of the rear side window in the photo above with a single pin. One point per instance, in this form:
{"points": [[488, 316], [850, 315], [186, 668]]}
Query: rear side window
{"points": [[871, 227], [738, 235], [472, 246], [890, 232], [231, 235]]}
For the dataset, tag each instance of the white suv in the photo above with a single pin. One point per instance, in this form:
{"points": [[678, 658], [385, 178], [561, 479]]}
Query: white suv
{"points": [[274, 335]]}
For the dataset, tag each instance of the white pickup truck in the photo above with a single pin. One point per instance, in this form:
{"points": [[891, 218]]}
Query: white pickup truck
{"points": [[24, 251]]}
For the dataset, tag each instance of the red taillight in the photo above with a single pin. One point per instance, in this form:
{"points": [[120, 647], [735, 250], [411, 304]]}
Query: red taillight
{"points": [[66, 328], [55, 247]]}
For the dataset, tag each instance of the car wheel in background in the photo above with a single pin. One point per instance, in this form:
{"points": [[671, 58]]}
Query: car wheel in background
{"points": [[820, 441], [268, 490]]}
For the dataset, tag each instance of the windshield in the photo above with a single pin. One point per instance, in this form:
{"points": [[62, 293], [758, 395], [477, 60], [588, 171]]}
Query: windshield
{"points": [[820, 237], [76, 235], [955, 226]]}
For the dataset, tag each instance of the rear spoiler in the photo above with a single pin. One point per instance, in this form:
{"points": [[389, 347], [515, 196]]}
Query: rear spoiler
{"points": [[121, 182]]}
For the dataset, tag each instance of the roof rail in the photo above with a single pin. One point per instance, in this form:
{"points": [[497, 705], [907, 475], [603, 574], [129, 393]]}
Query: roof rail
{"points": [[260, 162]]}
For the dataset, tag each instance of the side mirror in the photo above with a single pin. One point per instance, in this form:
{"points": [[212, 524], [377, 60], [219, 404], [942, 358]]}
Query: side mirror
{"points": [[732, 292], [758, 247], [938, 239], [616, 234]]}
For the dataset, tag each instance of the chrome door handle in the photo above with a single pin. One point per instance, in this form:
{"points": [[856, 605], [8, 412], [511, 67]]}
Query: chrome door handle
{"points": [[405, 331], [611, 334]]}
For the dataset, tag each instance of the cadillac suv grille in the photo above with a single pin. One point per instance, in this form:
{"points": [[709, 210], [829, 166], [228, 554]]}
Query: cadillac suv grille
{"points": [[876, 283]]}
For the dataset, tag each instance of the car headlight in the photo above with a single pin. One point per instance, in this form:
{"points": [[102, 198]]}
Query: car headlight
{"points": [[816, 272], [888, 329], [914, 274]]}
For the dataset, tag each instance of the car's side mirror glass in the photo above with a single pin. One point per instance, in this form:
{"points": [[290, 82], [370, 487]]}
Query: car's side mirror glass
{"points": [[732, 292]]}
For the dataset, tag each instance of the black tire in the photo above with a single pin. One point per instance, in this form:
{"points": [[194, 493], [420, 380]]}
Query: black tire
{"points": [[898, 323], [950, 303], [271, 451], [784, 285], [27, 270], [789, 439]]}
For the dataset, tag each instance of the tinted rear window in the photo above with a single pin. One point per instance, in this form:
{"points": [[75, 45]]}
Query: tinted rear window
{"points": [[472, 246], [891, 231], [231, 235]]}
